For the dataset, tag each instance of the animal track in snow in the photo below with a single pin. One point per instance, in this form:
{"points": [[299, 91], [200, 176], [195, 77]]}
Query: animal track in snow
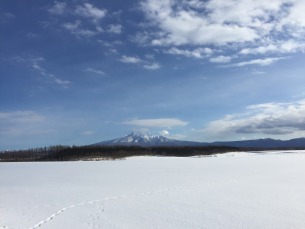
{"points": [[51, 217]]}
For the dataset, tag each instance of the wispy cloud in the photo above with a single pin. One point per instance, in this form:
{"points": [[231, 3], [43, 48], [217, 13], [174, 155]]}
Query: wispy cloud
{"points": [[260, 62], [96, 71], [158, 123], [35, 63], [195, 53], [61, 82]]}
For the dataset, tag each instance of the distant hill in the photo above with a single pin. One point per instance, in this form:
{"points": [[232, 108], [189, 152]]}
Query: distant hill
{"points": [[135, 139], [264, 143]]}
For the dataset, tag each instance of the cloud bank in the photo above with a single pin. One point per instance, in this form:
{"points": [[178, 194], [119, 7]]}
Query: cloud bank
{"points": [[280, 119]]}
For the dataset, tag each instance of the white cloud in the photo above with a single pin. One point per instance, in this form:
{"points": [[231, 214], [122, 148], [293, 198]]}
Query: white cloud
{"points": [[221, 59], [260, 62], [246, 13], [152, 66], [116, 29], [96, 71], [238, 27], [179, 26], [263, 119], [58, 8], [196, 53], [90, 11], [130, 59], [158, 123], [295, 16]]}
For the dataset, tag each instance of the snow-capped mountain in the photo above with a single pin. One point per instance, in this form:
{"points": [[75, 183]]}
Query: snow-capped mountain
{"points": [[135, 139], [146, 140]]}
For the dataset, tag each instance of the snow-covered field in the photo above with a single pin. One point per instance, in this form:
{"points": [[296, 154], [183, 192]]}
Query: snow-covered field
{"points": [[234, 190]]}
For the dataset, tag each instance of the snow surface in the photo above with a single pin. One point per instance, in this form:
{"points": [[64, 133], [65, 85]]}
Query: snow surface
{"points": [[234, 190]]}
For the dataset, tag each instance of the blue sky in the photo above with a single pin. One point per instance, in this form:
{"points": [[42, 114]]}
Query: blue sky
{"points": [[79, 72]]}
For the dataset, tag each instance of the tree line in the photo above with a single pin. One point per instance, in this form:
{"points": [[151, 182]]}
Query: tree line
{"points": [[73, 153]]}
